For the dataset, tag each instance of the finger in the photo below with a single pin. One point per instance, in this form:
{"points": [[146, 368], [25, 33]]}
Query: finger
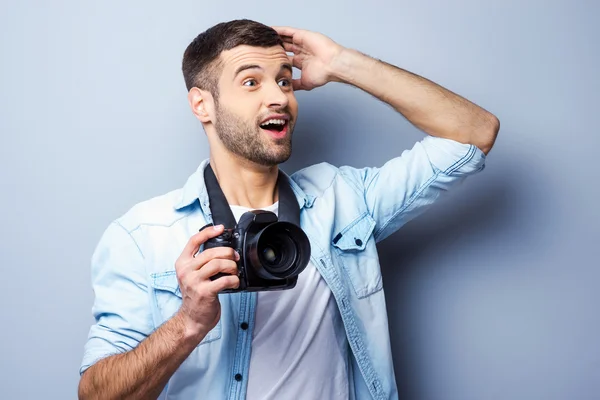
{"points": [[224, 282], [223, 252], [285, 30], [196, 240], [296, 61], [292, 48], [297, 85], [216, 266], [287, 39], [297, 40]]}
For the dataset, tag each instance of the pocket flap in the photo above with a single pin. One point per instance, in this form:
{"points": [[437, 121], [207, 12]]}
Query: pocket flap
{"points": [[356, 234], [166, 281]]}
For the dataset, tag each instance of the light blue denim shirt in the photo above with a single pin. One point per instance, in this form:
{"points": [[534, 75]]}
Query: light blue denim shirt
{"points": [[344, 211]]}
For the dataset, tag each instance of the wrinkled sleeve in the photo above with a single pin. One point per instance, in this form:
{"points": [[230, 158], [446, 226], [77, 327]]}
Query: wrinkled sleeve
{"points": [[405, 186], [121, 308]]}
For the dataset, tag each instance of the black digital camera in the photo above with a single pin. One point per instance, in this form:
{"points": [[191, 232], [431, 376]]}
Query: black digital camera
{"points": [[272, 253]]}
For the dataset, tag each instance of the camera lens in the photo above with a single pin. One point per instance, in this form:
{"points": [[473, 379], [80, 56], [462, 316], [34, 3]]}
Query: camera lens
{"points": [[282, 250], [270, 255], [278, 251]]}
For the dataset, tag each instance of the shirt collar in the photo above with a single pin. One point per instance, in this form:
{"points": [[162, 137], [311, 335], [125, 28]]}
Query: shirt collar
{"points": [[195, 189]]}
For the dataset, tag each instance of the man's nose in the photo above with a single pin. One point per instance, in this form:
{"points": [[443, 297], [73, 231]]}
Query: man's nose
{"points": [[276, 97]]}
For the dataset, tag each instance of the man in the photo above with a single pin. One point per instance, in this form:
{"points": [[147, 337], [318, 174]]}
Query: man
{"points": [[164, 329]]}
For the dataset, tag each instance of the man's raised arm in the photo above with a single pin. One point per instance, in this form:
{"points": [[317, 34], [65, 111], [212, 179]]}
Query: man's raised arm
{"points": [[427, 105]]}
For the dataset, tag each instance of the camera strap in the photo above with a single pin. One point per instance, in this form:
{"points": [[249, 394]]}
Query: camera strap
{"points": [[289, 210]]}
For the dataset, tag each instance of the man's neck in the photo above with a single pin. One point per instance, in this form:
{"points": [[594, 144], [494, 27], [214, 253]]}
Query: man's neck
{"points": [[245, 183]]}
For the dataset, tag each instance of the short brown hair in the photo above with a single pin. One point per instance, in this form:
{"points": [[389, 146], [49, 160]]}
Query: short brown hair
{"points": [[200, 61]]}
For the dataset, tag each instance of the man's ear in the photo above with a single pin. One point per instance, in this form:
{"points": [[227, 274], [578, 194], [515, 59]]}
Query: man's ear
{"points": [[201, 103]]}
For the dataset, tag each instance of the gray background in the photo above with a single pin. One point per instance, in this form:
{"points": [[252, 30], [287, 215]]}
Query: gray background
{"points": [[493, 294]]}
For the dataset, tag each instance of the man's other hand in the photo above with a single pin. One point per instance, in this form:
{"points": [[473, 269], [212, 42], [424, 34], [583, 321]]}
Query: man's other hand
{"points": [[314, 55], [200, 310]]}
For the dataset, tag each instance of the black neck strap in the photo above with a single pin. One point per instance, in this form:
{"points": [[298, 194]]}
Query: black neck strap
{"points": [[289, 210]]}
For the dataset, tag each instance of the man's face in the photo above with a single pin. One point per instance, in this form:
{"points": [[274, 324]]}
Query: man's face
{"points": [[256, 108]]}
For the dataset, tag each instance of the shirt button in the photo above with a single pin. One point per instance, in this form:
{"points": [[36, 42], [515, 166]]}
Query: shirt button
{"points": [[244, 325], [358, 242], [238, 377]]}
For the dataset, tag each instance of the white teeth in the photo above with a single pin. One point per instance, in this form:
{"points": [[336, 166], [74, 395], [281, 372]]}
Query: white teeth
{"points": [[274, 121]]}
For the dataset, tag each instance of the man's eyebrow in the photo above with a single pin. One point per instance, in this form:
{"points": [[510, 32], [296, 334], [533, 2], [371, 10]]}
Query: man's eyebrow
{"points": [[241, 68], [245, 67], [288, 67]]}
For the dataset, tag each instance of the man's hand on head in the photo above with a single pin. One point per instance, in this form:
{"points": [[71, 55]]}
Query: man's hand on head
{"points": [[314, 54], [430, 107]]}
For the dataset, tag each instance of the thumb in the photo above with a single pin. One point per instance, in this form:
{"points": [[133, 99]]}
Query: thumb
{"points": [[298, 85]]}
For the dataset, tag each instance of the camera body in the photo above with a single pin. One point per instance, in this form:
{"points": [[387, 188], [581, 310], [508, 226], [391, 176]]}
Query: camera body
{"points": [[272, 253]]}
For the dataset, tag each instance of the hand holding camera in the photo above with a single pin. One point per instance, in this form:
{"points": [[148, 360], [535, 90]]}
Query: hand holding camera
{"points": [[200, 310], [272, 252]]}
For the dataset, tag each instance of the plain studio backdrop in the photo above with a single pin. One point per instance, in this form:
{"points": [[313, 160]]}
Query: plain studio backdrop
{"points": [[492, 294]]}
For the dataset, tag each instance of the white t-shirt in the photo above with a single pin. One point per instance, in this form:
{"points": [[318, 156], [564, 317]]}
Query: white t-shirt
{"points": [[299, 346]]}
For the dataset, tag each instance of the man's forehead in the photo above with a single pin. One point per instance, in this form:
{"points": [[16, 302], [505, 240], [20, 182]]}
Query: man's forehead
{"points": [[244, 54]]}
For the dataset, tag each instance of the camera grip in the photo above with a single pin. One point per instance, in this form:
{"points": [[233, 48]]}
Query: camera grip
{"points": [[219, 275], [223, 240]]}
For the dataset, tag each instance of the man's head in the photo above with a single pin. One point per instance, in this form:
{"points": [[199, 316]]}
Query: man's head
{"points": [[239, 76]]}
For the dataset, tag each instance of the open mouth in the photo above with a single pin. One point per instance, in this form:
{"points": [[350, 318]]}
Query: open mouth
{"points": [[277, 125]]}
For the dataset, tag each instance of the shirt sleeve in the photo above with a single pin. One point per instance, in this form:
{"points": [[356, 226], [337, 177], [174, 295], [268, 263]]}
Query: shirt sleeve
{"points": [[405, 186], [121, 308]]}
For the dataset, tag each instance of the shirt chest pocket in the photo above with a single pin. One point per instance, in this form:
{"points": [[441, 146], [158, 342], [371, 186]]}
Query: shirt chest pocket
{"points": [[355, 249], [167, 300]]}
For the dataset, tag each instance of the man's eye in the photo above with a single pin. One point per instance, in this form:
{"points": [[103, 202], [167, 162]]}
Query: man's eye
{"points": [[285, 82], [250, 82]]}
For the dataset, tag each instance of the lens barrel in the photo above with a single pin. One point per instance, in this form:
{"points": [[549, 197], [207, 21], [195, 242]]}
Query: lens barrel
{"points": [[281, 250]]}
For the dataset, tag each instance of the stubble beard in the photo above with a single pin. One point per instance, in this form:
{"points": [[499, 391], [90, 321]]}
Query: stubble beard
{"points": [[248, 142]]}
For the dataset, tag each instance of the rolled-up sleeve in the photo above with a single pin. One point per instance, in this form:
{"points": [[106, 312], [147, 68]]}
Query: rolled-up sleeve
{"points": [[405, 186], [121, 307]]}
